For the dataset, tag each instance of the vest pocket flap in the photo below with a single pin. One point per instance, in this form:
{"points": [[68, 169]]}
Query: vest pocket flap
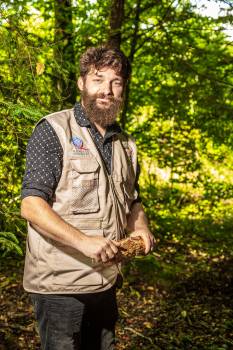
{"points": [[84, 166]]}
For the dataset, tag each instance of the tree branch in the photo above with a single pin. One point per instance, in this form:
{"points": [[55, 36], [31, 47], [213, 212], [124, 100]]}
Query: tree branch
{"points": [[116, 20], [131, 58]]}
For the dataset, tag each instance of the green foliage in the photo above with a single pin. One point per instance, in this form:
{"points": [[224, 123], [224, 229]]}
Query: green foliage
{"points": [[9, 243], [180, 113], [16, 127], [180, 106]]}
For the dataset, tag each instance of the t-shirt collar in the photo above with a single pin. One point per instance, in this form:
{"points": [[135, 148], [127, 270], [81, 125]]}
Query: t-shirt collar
{"points": [[80, 115]]}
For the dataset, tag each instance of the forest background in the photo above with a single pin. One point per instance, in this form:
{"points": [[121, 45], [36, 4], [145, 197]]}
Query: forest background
{"points": [[179, 108]]}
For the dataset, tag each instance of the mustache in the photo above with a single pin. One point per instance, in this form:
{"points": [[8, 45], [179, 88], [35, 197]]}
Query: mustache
{"points": [[105, 96]]}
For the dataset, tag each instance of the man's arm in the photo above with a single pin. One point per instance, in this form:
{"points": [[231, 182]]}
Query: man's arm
{"points": [[137, 225], [44, 157], [43, 218]]}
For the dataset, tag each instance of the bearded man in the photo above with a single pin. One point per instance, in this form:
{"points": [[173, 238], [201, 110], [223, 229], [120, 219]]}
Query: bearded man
{"points": [[80, 198]]}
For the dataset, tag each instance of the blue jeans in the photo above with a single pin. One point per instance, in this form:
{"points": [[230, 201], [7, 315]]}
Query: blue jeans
{"points": [[76, 322]]}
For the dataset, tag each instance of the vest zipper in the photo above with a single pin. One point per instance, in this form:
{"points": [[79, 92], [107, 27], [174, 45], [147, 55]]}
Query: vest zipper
{"points": [[110, 181], [111, 185], [118, 233]]}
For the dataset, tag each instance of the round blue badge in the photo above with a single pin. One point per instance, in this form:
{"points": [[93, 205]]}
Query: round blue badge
{"points": [[77, 142]]}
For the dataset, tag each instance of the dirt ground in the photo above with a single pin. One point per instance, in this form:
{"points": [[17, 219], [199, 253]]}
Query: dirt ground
{"points": [[194, 312]]}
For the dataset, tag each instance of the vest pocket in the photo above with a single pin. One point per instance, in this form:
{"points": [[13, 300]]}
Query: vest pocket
{"points": [[130, 195], [125, 193], [85, 183]]}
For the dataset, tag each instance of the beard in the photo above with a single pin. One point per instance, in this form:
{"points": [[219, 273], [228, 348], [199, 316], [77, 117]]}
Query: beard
{"points": [[105, 115]]}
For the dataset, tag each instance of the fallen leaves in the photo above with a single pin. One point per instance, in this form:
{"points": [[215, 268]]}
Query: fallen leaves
{"points": [[195, 309]]}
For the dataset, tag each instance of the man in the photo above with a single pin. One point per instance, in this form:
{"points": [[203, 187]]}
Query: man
{"points": [[79, 199]]}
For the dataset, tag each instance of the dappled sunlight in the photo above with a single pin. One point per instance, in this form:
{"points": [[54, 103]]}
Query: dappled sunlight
{"points": [[178, 107]]}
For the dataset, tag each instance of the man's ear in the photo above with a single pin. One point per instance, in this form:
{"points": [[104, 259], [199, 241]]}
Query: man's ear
{"points": [[80, 83]]}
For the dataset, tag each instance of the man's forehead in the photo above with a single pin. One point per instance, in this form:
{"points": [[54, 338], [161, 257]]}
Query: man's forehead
{"points": [[103, 71]]}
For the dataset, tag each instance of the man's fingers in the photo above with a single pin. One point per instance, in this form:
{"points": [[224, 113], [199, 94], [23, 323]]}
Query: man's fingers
{"points": [[116, 243], [148, 245], [108, 251], [113, 246], [148, 241], [151, 243], [102, 249], [104, 256]]}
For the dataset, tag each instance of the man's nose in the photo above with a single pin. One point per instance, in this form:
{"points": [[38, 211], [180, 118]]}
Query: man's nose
{"points": [[107, 89]]}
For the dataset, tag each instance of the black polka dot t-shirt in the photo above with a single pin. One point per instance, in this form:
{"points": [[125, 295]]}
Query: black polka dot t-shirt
{"points": [[44, 156]]}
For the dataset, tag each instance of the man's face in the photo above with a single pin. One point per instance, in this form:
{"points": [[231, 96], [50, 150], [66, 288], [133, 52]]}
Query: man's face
{"points": [[102, 95]]}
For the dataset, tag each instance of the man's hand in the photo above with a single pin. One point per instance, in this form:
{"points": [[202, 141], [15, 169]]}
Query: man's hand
{"points": [[138, 226], [147, 237], [99, 248]]}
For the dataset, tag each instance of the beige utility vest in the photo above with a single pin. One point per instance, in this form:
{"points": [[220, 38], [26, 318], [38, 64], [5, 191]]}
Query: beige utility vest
{"points": [[89, 199]]}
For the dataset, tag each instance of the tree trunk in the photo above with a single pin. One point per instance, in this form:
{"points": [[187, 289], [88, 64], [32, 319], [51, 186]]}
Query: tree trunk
{"points": [[131, 58], [65, 83], [115, 21]]}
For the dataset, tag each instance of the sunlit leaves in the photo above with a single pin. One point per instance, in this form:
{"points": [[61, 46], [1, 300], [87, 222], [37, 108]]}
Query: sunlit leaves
{"points": [[180, 105], [40, 67]]}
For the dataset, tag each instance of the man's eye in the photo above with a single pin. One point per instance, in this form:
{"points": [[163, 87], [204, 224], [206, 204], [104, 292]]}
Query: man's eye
{"points": [[118, 83], [97, 80]]}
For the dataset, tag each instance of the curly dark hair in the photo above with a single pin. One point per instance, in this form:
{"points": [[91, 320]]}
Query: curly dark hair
{"points": [[103, 56]]}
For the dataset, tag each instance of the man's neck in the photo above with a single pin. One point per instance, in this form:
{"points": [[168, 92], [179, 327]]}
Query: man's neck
{"points": [[101, 130]]}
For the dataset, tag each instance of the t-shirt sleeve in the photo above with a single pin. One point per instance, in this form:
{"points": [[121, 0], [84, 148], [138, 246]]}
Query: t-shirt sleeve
{"points": [[44, 157]]}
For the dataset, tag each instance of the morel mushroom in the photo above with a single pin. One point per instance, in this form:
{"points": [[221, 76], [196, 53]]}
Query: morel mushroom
{"points": [[131, 247]]}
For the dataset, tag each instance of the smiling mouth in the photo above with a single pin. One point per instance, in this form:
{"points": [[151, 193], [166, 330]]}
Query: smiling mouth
{"points": [[104, 100]]}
